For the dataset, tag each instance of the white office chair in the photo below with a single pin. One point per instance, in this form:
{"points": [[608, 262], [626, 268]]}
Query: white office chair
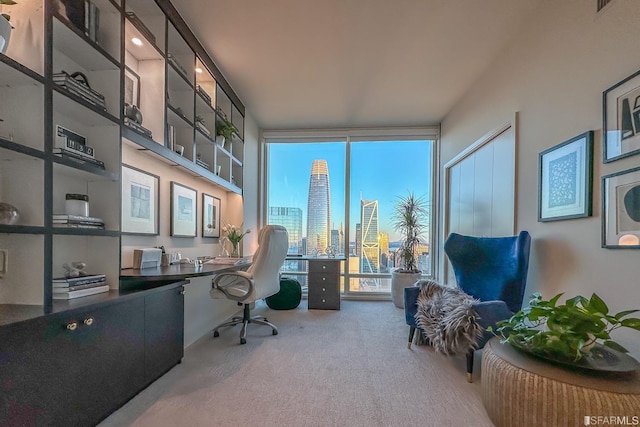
{"points": [[261, 280]]}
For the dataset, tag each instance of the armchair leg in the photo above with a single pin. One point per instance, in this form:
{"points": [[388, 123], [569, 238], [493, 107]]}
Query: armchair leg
{"points": [[412, 331], [470, 366]]}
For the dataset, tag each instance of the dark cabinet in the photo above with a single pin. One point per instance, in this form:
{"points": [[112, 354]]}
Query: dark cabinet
{"points": [[324, 283], [71, 368], [164, 331]]}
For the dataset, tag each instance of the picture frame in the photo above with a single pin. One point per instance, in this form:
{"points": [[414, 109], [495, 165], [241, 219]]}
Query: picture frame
{"points": [[565, 181], [210, 215], [621, 119], [183, 210], [621, 210], [140, 202], [131, 87]]}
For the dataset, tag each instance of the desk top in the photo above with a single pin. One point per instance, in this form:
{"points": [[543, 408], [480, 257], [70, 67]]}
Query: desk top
{"points": [[178, 271], [313, 258]]}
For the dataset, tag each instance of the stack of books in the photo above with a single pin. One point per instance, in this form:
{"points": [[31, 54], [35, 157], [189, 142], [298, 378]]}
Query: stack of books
{"points": [[137, 127], [74, 287], [203, 128], [203, 93], [202, 164], [77, 221], [82, 90]]}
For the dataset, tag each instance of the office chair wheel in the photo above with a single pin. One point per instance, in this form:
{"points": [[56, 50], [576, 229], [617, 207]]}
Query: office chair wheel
{"points": [[274, 332], [216, 334], [243, 341]]}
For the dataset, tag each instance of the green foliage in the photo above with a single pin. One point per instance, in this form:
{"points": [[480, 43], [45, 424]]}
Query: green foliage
{"points": [[8, 3], [226, 129], [410, 219], [567, 331]]}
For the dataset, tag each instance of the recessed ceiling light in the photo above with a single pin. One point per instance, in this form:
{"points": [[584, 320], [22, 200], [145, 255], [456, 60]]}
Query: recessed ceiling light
{"points": [[198, 70], [136, 41]]}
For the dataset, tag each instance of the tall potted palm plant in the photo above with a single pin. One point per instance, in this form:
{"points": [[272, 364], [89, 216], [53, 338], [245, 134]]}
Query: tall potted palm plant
{"points": [[410, 219]]}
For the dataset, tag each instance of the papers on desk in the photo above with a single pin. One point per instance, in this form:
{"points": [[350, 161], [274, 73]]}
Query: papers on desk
{"points": [[228, 261]]}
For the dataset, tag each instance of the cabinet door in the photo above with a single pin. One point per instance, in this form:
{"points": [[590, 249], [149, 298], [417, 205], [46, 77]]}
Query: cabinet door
{"points": [[164, 331], [51, 375]]}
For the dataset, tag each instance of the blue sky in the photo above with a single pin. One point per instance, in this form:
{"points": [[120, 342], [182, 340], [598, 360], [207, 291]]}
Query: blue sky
{"points": [[380, 171]]}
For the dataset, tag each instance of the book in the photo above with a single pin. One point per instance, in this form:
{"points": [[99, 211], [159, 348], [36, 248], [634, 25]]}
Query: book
{"points": [[80, 280], [77, 225], [59, 288], [137, 127], [81, 292], [72, 221], [65, 78], [61, 152], [77, 218]]}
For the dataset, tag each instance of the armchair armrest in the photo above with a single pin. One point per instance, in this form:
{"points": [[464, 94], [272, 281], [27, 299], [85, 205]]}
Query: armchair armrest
{"points": [[491, 312], [235, 285]]}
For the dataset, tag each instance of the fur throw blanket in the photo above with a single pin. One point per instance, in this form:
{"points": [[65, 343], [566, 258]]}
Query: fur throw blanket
{"points": [[447, 320]]}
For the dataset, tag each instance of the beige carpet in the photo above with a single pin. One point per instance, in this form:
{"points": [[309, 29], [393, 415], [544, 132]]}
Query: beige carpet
{"points": [[325, 368]]}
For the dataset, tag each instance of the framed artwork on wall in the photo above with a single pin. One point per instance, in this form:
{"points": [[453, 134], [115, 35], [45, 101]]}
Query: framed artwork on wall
{"points": [[621, 210], [140, 202], [210, 216], [183, 210], [565, 181], [621, 119]]}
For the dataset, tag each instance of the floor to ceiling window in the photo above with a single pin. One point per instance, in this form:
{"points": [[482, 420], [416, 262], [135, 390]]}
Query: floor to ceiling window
{"points": [[336, 193]]}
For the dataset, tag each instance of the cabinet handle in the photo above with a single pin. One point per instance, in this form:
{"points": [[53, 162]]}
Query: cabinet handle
{"points": [[182, 292], [72, 326], [88, 321], [324, 278], [324, 289], [324, 300], [324, 267]]}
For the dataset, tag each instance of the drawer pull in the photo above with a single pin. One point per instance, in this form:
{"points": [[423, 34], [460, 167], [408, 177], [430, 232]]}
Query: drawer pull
{"points": [[324, 267], [88, 321], [324, 289], [324, 300], [72, 326], [182, 292], [324, 278]]}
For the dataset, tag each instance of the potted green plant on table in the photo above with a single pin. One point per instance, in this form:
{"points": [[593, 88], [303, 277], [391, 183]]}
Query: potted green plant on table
{"points": [[5, 27], [410, 219], [576, 333]]}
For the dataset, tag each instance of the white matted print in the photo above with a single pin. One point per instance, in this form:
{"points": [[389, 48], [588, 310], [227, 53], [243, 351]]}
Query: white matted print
{"points": [[140, 201], [621, 119], [565, 181], [210, 216], [621, 209], [183, 210]]}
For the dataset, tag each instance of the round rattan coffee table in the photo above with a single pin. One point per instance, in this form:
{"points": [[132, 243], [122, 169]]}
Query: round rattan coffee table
{"points": [[521, 390]]}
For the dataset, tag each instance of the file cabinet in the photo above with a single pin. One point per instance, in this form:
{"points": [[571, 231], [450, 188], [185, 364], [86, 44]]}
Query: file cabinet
{"points": [[324, 283]]}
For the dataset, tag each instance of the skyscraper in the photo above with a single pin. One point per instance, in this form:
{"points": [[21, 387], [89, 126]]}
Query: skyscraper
{"points": [[370, 252], [291, 219], [318, 208]]}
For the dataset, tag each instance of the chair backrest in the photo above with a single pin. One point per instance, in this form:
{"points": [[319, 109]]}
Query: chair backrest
{"points": [[273, 244], [491, 268]]}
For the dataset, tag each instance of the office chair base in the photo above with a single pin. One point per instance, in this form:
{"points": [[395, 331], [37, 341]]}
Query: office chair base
{"points": [[244, 321]]}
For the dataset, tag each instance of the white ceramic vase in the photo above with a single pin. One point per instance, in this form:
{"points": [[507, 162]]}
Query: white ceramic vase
{"points": [[220, 140], [5, 33], [399, 281]]}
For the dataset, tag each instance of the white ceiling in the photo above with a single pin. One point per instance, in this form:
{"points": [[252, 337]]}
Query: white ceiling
{"points": [[352, 63]]}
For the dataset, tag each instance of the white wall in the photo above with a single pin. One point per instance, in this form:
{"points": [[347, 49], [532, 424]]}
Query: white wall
{"points": [[250, 181], [553, 73]]}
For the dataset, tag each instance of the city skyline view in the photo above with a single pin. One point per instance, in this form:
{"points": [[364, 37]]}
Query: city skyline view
{"points": [[380, 172]]}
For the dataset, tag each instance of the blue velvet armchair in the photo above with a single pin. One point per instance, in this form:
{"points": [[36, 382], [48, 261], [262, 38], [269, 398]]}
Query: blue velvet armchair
{"points": [[491, 269]]}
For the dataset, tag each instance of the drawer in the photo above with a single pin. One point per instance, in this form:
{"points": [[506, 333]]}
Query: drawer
{"points": [[324, 267], [328, 300], [324, 279]]}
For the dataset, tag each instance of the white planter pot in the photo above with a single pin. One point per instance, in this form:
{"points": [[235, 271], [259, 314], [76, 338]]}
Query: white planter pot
{"points": [[5, 34], [220, 140], [399, 281]]}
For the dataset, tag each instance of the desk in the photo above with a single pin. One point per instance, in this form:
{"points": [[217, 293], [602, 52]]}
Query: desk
{"points": [[521, 390], [324, 282], [149, 277]]}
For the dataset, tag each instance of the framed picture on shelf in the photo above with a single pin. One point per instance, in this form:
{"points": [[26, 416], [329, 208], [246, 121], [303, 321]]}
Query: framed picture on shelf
{"points": [[621, 210], [183, 210], [621, 119], [565, 181], [210, 216], [140, 202], [131, 87]]}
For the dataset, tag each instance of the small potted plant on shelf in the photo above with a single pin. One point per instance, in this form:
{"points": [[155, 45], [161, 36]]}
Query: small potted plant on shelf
{"points": [[576, 333], [410, 219], [5, 27], [224, 132]]}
